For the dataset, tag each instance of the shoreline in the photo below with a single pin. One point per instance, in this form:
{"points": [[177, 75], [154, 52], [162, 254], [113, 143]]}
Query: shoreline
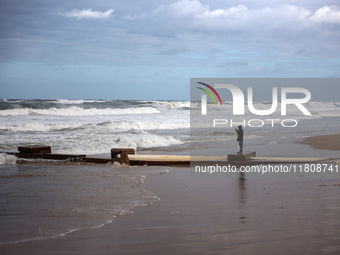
{"points": [[221, 214], [323, 142]]}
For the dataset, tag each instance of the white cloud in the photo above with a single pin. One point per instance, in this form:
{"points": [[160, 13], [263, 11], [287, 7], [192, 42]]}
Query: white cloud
{"points": [[243, 18], [166, 20], [184, 16], [224, 12], [179, 9], [283, 17], [186, 7], [88, 14], [327, 14]]}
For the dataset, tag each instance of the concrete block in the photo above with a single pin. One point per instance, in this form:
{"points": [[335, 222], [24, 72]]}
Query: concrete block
{"points": [[241, 157], [115, 152]]}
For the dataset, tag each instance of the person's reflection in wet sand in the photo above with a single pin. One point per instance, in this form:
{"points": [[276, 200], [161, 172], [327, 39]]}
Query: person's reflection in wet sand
{"points": [[242, 196]]}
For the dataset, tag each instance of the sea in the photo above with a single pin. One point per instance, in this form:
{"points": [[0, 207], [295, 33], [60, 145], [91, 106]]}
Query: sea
{"points": [[42, 199], [93, 126], [96, 126]]}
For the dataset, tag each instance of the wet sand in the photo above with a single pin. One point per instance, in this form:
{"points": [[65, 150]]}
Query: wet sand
{"points": [[323, 142], [224, 214], [227, 213]]}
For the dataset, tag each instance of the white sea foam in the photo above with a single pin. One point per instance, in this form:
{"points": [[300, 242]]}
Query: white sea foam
{"points": [[77, 101], [147, 141], [6, 159], [325, 109], [109, 125], [147, 125], [39, 127], [172, 104], [77, 111], [104, 143], [67, 101], [328, 109], [10, 101]]}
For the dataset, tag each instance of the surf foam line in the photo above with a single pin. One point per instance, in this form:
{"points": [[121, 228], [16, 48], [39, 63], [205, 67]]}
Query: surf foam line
{"points": [[6, 159], [78, 111]]}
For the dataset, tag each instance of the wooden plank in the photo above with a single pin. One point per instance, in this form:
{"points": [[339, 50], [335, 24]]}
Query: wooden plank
{"points": [[74, 157], [170, 160], [35, 149], [98, 160]]}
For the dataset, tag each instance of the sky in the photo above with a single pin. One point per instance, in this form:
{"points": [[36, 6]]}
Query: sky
{"points": [[149, 50]]}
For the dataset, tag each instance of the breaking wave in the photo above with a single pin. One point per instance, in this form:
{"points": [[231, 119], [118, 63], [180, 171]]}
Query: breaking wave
{"points": [[6, 159], [78, 111]]}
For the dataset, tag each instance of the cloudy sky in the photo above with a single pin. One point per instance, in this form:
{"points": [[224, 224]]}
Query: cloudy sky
{"points": [[150, 49]]}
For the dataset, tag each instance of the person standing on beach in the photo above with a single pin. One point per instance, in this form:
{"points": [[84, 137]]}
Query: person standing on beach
{"points": [[240, 138]]}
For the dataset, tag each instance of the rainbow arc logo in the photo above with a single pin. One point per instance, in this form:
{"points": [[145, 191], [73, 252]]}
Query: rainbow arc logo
{"points": [[209, 93]]}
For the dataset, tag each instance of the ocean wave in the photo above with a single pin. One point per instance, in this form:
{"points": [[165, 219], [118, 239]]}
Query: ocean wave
{"points": [[67, 101], [6, 159], [40, 127], [11, 101], [172, 104], [149, 125], [78, 101], [147, 141], [77, 111], [323, 109], [108, 125], [314, 107], [104, 143], [329, 114]]}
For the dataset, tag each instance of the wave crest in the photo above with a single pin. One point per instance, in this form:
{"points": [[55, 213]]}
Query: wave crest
{"points": [[6, 159], [78, 111]]}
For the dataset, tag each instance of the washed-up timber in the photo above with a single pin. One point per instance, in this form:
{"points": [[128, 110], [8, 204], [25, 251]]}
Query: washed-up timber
{"points": [[127, 156]]}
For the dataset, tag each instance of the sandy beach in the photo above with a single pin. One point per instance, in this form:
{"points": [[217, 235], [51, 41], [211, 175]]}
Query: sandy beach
{"points": [[323, 142], [227, 213]]}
